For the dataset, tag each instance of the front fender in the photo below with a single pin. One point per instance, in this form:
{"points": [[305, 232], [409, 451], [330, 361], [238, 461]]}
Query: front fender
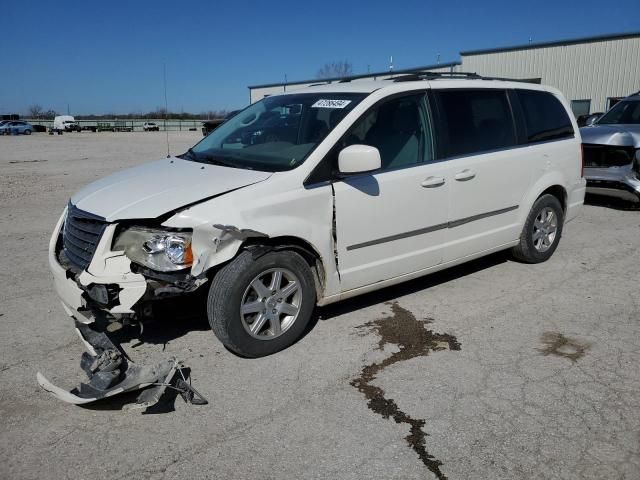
{"points": [[223, 225]]}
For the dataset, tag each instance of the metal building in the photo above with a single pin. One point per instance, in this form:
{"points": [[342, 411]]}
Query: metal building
{"points": [[592, 72]]}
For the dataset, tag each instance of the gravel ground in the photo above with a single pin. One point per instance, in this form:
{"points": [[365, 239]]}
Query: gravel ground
{"points": [[490, 370]]}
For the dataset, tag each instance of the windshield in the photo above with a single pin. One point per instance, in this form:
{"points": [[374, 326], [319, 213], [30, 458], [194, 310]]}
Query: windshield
{"points": [[276, 133], [624, 112]]}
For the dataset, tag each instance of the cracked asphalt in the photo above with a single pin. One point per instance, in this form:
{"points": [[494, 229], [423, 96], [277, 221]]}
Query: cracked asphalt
{"points": [[545, 382]]}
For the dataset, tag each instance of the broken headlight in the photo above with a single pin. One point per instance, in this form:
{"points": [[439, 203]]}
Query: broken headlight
{"points": [[157, 249]]}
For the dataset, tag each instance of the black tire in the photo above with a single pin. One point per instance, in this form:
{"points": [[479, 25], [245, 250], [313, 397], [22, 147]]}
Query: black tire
{"points": [[228, 289], [526, 250], [27, 132]]}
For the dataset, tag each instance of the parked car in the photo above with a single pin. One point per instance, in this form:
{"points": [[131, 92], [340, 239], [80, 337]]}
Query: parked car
{"points": [[16, 127], [150, 127], [612, 151], [362, 185]]}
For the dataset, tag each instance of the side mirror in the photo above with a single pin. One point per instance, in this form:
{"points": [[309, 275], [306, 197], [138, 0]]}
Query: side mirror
{"points": [[591, 120], [359, 159]]}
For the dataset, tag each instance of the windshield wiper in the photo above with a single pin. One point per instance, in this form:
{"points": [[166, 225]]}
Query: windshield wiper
{"points": [[189, 154], [215, 160], [211, 159]]}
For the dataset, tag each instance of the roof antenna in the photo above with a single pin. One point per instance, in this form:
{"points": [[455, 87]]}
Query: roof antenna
{"points": [[166, 108]]}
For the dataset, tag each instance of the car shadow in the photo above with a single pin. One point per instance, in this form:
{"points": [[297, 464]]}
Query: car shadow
{"points": [[412, 286], [177, 317], [169, 320], [610, 202]]}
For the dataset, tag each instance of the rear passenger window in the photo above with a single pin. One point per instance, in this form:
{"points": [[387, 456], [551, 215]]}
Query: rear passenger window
{"points": [[545, 117], [475, 121]]}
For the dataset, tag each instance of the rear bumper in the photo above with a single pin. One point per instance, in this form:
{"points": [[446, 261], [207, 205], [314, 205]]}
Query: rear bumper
{"points": [[575, 201]]}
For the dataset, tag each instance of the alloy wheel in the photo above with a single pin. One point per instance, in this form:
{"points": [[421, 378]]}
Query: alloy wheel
{"points": [[545, 229], [271, 303]]}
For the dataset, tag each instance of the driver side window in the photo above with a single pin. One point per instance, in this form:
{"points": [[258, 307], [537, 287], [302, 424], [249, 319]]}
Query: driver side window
{"points": [[399, 129]]}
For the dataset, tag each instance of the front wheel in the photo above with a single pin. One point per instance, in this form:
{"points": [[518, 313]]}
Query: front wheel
{"points": [[260, 306], [27, 132], [541, 232]]}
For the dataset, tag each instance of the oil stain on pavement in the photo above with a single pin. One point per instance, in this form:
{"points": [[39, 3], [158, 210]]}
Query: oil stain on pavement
{"points": [[413, 340], [559, 345]]}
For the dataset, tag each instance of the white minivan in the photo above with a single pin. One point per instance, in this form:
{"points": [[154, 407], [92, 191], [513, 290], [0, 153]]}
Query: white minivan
{"points": [[321, 194]]}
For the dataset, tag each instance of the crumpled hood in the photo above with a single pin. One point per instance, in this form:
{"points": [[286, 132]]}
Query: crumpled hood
{"points": [[617, 135], [155, 188]]}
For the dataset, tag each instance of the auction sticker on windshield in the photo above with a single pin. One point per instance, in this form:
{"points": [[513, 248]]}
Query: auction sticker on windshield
{"points": [[326, 103]]}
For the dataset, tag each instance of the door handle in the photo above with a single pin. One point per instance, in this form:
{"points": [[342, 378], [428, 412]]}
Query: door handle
{"points": [[431, 182], [465, 175]]}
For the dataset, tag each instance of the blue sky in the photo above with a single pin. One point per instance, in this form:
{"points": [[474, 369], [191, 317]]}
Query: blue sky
{"points": [[107, 57]]}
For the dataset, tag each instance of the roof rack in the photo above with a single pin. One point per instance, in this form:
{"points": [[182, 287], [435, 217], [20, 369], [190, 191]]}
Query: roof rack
{"points": [[426, 75], [412, 77]]}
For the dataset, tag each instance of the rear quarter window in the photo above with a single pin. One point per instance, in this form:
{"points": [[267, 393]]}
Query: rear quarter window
{"points": [[474, 121], [545, 117]]}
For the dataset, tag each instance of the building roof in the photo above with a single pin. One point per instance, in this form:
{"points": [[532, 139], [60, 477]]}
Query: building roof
{"points": [[527, 46], [558, 43], [355, 77]]}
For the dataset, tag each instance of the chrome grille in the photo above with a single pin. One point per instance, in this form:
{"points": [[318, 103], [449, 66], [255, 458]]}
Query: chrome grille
{"points": [[80, 236]]}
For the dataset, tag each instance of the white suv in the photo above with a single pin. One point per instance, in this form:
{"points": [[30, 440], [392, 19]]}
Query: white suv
{"points": [[150, 127], [321, 194]]}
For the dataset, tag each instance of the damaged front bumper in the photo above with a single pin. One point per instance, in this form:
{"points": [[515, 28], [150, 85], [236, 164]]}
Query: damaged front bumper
{"points": [[612, 168], [618, 182], [111, 285], [108, 290], [109, 373]]}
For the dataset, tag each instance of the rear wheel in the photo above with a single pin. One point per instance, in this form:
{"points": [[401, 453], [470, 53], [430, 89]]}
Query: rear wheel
{"points": [[257, 307], [27, 132], [541, 232]]}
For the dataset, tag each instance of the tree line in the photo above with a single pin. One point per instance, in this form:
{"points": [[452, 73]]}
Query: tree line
{"points": [[36, 111]]}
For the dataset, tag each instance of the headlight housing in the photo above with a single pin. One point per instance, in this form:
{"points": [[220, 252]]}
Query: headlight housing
{"points": [[155, 248]]}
